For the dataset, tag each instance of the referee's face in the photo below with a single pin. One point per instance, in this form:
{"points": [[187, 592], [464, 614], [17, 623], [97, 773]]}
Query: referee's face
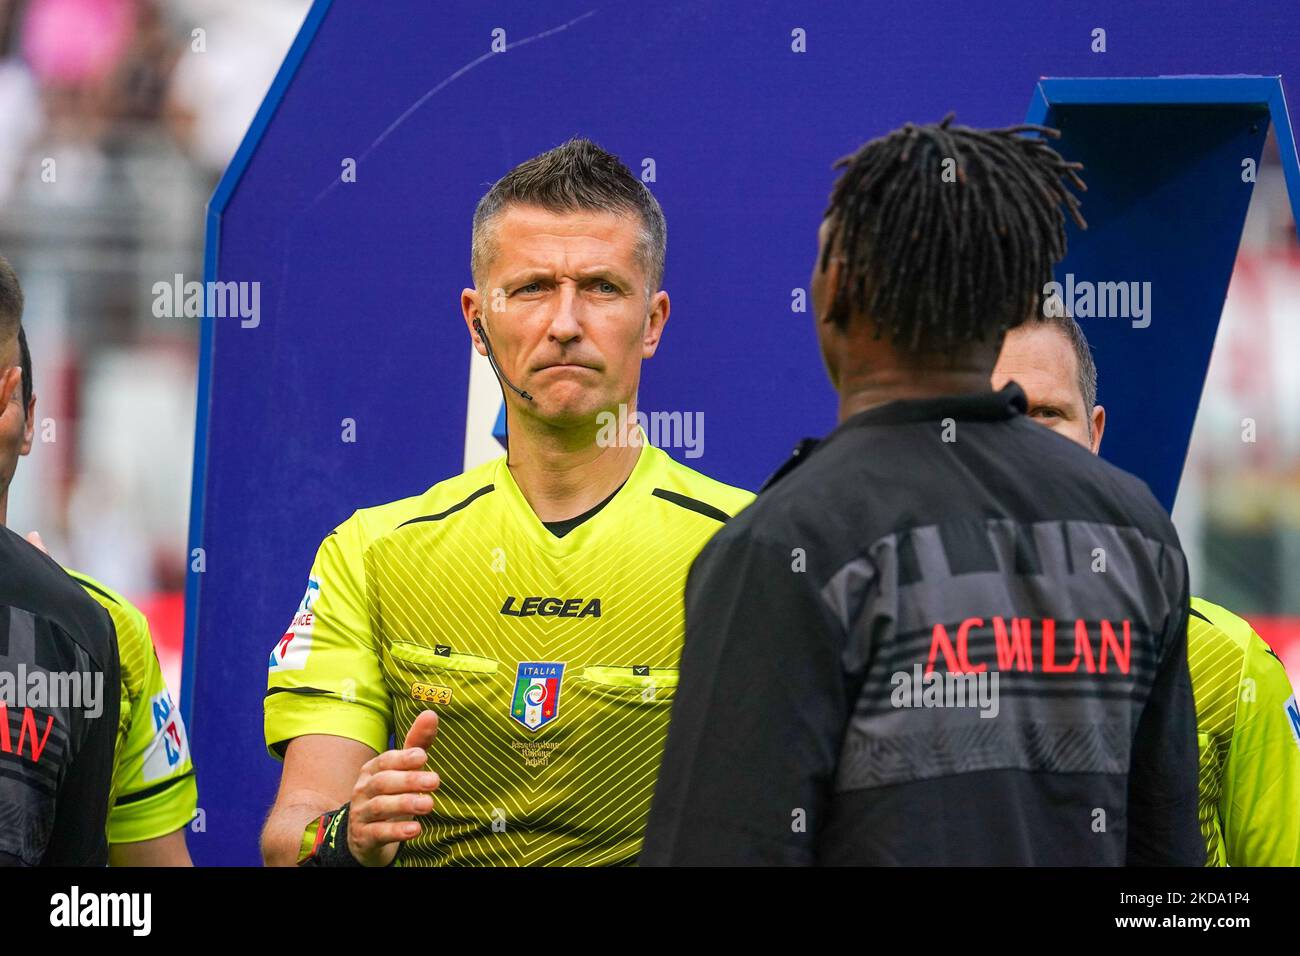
{"points": [[566, 311], [1040, 359]]}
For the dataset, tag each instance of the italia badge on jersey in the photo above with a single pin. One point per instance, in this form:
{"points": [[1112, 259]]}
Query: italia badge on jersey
{"points": [[536, 700]]}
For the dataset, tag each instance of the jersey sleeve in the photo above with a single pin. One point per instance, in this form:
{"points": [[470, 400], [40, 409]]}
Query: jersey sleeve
{"points": [[82, 805], [324, 675], [1163, 822], [55, 793], [758, 718], [154, 784], [1260, 802]]}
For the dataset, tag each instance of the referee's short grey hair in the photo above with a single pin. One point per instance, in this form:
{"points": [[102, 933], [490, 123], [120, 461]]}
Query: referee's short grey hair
{"points": [[577, 175], [1055, 315]]}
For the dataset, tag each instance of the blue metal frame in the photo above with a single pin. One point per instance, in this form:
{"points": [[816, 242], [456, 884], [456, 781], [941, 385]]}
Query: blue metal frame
{"points": [[1184, 91], [216, 206], [1254, 91]]}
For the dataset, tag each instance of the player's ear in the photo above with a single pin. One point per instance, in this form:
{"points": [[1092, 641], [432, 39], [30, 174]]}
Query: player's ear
{"points": [[656, 318], [471, 304], [825, 281], [29, 426], [832, 287], [1098, 426]]}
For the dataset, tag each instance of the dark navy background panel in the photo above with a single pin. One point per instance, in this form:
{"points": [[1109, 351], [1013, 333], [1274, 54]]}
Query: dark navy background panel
{"points": [[360, 281], [1166, 203]]}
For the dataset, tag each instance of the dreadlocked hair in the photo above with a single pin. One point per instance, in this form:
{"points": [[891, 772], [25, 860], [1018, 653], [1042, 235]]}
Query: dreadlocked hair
{"points": [[939, 260]]}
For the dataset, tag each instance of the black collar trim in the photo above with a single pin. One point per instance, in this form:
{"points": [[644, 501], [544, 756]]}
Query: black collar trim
{"points": [[984, 407]]}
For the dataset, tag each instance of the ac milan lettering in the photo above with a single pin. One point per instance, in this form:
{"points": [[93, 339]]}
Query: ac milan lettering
{"points": [[27, 733], [1022, 648]]}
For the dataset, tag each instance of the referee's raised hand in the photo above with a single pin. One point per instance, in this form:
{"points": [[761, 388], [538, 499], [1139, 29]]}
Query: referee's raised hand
{"points": [[392, 790]]}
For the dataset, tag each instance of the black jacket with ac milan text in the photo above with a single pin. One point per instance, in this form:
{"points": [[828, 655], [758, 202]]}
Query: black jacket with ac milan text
{"points": [[60, 693], [945, 635]]}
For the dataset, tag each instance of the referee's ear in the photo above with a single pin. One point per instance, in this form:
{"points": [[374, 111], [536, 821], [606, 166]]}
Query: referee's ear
{"points": [[652, 329], [1098, 426], [29, 426], [471, 307]]}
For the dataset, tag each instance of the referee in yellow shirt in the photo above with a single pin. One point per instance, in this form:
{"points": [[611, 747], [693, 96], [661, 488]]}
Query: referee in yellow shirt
{"points": [[1248, 724], [516, 628], [154, 794]]}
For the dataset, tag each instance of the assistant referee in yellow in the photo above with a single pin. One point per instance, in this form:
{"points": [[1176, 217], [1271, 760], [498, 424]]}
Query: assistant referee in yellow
{"points": [[516, 628]]}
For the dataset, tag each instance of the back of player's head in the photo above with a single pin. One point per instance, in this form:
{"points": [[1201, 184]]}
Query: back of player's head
{"points": [[11, 303], [948, 234], [577, 176]]}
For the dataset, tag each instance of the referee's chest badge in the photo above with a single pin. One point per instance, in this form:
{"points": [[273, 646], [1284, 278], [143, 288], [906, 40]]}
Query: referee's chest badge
{"points": [[536, 700]]}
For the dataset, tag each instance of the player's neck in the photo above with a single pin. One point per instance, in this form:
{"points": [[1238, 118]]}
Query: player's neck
{"points": [[869, 371], [564, 472], [4, 508], [870, 390]]}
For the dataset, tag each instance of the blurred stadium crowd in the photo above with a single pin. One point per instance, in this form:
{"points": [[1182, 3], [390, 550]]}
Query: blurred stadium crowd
{"points": [[117, 117], [1238, 507]]}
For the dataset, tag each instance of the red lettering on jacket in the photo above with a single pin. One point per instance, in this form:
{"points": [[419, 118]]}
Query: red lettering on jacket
{"points": [[1015, 647], [939, 642], [1016, 653], [1083, 648], [963, 633], [1123, 656], [29, 724]]}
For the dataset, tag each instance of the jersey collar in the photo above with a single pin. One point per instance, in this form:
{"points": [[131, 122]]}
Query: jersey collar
{"points": [[639, 484], [988, 406], [985, 406]]}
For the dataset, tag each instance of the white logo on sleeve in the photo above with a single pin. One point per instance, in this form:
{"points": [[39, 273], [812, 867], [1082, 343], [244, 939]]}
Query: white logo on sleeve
{"points": [[290, 652], [1293, 718], [171, 747]]}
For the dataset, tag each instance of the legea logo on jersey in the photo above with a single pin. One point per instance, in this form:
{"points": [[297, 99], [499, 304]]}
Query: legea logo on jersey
{"points": [[170, 745], [536, 700], [551, 607], [290, 652]]}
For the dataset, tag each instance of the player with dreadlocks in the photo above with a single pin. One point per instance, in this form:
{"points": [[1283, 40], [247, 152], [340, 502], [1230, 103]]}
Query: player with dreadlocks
{"points": [[897, 654], [975, 255]]}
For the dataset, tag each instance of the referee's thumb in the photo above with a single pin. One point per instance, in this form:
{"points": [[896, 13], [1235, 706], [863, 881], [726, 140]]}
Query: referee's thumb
{"points": [[422, 731]]}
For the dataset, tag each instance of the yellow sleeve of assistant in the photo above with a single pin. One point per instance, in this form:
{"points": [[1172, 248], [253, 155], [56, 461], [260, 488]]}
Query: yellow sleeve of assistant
{"points": [[1260, 805], [323, 674], [154, 786]]}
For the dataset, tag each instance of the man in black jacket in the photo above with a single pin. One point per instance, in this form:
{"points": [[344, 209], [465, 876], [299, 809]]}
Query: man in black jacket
{"points": [[59, 681], [943, 635]]}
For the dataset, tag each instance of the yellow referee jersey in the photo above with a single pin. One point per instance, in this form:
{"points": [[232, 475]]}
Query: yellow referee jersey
{"points": [[1248, 728], [551, 661], [153, 790]]}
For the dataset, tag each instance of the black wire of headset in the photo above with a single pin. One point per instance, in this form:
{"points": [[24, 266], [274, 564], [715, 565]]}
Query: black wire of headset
{"points": [[487, 347]]}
